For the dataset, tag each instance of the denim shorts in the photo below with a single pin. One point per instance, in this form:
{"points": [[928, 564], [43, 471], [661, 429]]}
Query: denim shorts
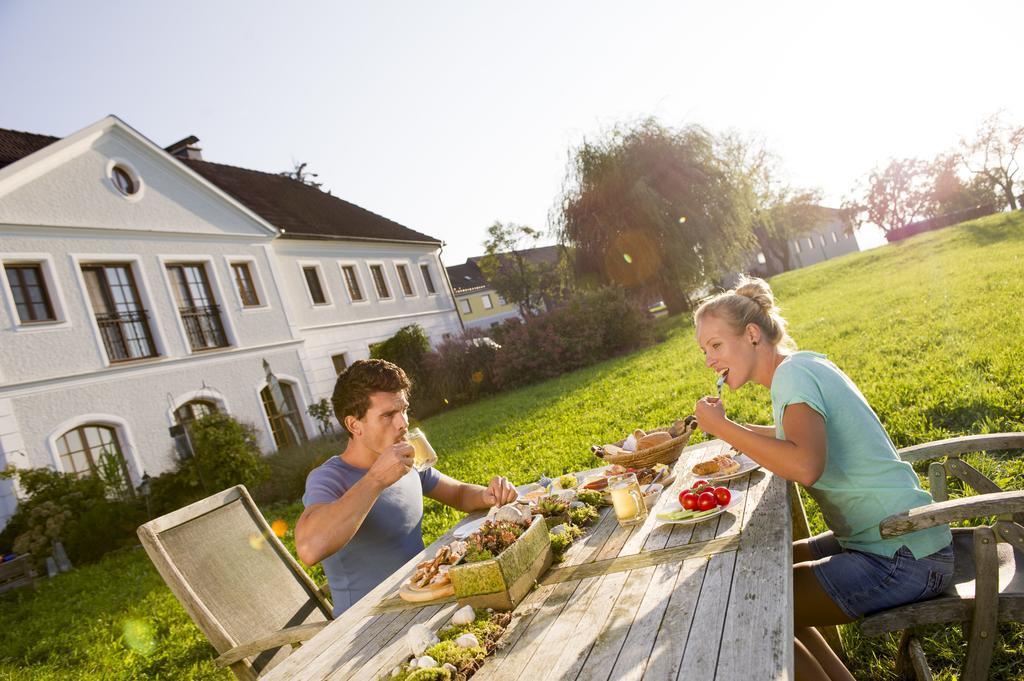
{"points": [[864, 583]]}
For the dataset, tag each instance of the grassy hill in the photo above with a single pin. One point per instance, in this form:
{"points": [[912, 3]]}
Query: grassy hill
{"points": [[930, 329]]}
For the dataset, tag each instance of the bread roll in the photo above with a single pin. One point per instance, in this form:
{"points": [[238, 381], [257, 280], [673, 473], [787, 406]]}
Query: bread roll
{"points": [[639, 434], [652, 440]]}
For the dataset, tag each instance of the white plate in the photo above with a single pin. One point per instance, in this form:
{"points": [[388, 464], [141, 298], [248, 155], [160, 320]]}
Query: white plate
{"points": [[466, 529], [675, 506], [747, 465]]}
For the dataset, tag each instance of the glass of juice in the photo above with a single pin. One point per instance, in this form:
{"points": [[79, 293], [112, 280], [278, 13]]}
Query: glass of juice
{"points": [[424, 456], [627, 499]]}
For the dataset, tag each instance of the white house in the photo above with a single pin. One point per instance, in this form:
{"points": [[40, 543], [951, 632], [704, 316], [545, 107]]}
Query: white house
{"points": [[142, 287], [829, 239]]}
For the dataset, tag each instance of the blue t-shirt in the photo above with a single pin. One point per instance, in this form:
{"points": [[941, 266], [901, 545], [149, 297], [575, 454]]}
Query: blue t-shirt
{"points": [[864, 480], [389, 536]]}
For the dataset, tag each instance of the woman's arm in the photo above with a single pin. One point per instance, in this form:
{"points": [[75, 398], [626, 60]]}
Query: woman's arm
{"points": [[761, 430], [800, 457]]}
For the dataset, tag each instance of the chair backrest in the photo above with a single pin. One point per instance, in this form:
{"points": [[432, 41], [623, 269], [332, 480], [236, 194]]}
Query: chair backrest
{"points": [[232, 575]]}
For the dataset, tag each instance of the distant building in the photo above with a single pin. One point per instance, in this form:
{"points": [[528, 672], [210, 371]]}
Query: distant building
{"points": [[827, 241], [143, 287], [479, 304]]}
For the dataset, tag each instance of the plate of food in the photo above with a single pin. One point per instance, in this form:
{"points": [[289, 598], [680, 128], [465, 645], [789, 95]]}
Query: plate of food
{"points": [[726, 466], [430, 581], [465, 529], [673, 512]]}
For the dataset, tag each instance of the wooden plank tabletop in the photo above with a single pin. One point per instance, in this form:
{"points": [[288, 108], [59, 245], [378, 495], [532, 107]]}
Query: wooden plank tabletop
{"points": [[711, 600]]}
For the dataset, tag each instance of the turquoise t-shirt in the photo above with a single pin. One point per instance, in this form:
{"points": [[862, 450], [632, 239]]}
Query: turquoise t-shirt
{"points": [[864, 479]]}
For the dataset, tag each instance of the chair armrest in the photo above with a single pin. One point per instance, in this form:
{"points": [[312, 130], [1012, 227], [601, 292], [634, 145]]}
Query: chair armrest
{"points": [[942, 512], [286, 636], [962, 445]]}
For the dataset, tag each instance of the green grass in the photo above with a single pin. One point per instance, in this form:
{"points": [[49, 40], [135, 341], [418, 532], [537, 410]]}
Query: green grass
{"points": [[930, 329]]}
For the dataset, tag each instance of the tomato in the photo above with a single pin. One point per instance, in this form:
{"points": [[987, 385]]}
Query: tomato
{"points": [[699, 483], [706, 501], [723, 495], [688, 500]]}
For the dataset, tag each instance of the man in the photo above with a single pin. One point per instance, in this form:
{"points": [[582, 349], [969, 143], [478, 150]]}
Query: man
{"points": [[364, 507]]}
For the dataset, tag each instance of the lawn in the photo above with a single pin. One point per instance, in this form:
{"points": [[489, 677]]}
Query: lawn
{"points": [[930, 329]]}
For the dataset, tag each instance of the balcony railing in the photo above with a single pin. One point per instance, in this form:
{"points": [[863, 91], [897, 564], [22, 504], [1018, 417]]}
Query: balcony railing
{"points": [[126, 335], [204, 327]]}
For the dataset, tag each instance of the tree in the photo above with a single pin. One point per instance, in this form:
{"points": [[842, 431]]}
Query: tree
{"points": [[653, 210], [518, 278], [950, 193], [896, 195], [992, 155], [779, 212], [300, 174]]}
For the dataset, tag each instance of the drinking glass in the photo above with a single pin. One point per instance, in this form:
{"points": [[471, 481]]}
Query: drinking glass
{"points": [[424, 456], [627, 499]]}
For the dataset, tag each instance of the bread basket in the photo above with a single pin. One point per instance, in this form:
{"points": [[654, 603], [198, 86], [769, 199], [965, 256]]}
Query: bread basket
{"points": [[667, 452]]}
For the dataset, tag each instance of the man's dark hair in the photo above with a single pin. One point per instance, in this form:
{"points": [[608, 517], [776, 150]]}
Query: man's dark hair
{"points": [[360, 380]]}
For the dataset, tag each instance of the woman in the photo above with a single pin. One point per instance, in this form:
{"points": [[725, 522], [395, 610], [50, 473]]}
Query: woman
{"points": [[828, 439]]}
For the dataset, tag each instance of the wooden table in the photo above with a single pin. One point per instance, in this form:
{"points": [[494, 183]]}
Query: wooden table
{"points": [[706, 601]]}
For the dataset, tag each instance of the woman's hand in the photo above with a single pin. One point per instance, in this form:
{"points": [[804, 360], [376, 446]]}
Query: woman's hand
{"points": [[710, 414]]}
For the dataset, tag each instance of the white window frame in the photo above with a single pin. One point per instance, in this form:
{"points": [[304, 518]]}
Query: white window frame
{"points": [[797, 243], [463, 304], [821, 237], [412, 283], [433, 279], [486, 301], [215, 289], [141, 283], [835, 239], [300, 401], [207, 394], [257, 282], [810, 244], [342, 264], [501, 299], [383, 273], [124, 436], [132, 173], [302, 265], [53, 290]]}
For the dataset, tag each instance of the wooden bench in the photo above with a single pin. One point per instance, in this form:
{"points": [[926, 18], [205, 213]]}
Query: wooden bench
{"points": [[17, 573]]}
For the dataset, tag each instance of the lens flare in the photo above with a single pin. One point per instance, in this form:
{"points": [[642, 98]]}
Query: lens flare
{"points": [[257, 542], [628, 258], [478, 376], [279, 527], [682, 219], [138, 636]]}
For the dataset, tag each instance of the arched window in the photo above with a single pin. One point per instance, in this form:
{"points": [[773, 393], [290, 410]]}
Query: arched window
{"points": [[285, 420], [94, 449], [194, 410]]}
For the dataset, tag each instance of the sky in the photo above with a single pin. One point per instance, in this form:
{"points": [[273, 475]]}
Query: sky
{"points": [[448, 116]]}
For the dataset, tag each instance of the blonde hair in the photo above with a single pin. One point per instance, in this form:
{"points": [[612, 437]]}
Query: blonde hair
{"points": [[751, 302]]}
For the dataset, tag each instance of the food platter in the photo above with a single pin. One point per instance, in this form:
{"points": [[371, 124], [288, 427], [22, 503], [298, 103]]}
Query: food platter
{"points": [[747, 465], [674, 505]]}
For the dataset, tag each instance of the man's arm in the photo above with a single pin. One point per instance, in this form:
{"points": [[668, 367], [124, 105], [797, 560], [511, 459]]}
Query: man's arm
{"points": [[468, 497], [326, 528]]}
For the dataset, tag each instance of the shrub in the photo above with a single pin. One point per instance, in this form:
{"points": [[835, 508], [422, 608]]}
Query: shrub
{"points": [[78, 512], [592, 326], [460, 370], [224, 454], [406, 348]]}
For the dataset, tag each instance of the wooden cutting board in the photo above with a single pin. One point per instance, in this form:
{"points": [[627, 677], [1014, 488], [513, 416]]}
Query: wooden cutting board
{"points": [[431, 592]]}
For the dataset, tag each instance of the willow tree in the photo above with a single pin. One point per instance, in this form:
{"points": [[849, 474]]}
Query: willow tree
{"points": [[654, 210]]}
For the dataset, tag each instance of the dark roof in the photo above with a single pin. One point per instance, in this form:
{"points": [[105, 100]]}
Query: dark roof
{"points": [[15, 145], [299, 210], [466, 277]]}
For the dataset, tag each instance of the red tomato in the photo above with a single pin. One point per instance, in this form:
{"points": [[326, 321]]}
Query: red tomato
{"points": [[706, 501], [723, 495], [699, 483], [688, 500]]}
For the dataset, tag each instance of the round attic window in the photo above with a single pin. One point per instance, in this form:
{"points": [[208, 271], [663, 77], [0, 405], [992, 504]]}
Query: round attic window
{"points": [[124, 180]]}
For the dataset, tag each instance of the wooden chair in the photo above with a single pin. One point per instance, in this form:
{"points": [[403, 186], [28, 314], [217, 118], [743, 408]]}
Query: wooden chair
{"points": [[988, 586], [17, 573], [236, 580]]}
